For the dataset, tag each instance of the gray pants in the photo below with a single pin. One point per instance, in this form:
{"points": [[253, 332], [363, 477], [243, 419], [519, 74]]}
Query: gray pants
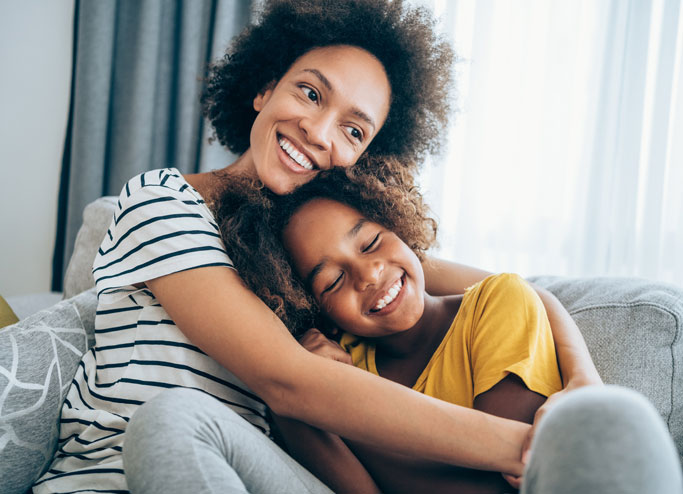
{"points": [[594, 441]]}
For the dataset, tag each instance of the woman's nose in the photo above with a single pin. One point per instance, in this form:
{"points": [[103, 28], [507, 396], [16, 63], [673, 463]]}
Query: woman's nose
{"points": [[318, 130]]}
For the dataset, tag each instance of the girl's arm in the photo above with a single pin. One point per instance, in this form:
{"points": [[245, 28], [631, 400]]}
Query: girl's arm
{"points": [[326, 456], [577, 368], [214, 309]]}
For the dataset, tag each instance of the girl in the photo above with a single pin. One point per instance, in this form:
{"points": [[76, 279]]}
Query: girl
{"points": [[491, 350], [173, 313]]}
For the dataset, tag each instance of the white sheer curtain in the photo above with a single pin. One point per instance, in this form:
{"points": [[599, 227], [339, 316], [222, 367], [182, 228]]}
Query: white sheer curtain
{"points": [[566, 154]]}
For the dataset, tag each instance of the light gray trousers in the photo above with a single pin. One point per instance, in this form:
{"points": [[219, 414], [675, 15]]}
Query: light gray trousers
{"points": [[599, 440]]}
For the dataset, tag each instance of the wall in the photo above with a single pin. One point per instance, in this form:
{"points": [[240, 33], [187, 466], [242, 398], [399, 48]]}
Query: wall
{"points": [[35, 60]]}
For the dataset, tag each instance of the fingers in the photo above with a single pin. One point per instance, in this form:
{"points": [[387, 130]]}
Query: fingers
{"points": [[526, 446], [345, 358], [316, 342], [513, 480]]}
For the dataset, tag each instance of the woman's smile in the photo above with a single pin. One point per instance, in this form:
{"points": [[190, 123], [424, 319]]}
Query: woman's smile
{"points": [[294, 157]]}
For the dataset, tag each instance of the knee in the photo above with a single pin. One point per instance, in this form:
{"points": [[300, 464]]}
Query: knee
{"points": [[603, 406], [607, 421], [603, 437]]}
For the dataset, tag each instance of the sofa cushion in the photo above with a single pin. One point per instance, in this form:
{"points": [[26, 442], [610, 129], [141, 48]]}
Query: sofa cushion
{"points": [[633, 331], [38, 358], [97, 217]]}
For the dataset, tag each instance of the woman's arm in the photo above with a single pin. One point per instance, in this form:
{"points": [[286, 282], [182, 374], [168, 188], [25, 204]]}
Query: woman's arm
{"points": [[214, 309], [577, 368]]}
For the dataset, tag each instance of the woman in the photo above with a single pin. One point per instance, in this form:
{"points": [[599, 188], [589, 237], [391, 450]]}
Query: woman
{"points": [[172, 312]]}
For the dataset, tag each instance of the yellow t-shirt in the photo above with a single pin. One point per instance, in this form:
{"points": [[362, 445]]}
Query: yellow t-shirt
{"points": [[501, 328]]}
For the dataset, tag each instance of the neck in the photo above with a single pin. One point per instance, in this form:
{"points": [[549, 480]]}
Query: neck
{"points": [[244, 165], [435, 320], [206, 183]]}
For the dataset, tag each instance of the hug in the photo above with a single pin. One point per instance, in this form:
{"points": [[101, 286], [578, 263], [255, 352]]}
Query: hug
{"points": [[279, 324]]}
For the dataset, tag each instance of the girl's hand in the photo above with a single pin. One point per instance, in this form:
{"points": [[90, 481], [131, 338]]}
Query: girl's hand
{"points": [[316, 342]]}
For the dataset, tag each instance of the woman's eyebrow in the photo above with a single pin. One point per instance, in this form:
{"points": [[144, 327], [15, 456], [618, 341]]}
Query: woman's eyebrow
{"points": [[355, 110], [322, 78], [310, 277]]}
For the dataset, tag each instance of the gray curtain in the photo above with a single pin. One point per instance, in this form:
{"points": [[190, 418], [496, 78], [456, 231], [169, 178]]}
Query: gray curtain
{"points": [[137, 77]]}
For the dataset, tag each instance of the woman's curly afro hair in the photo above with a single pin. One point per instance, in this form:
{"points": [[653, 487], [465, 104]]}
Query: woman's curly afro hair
{"points": [[417, 62], [252, 220]]}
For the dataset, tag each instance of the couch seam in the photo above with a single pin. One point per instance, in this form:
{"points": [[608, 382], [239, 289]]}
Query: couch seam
{"points": [[677, 336]]}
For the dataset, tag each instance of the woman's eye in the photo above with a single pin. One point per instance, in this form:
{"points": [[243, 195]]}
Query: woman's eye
{"points": [[354, 132], [371, 244], [310, 94]]}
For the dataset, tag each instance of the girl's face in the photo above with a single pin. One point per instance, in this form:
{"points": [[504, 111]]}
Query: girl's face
{"points": [[322, 113], [365, 278]]}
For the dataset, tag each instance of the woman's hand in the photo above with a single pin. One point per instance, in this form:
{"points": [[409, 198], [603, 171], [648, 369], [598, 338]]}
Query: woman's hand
{"points": [[316, 342], [549, 404]]}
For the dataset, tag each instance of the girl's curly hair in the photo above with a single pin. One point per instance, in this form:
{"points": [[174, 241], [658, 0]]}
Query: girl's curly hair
{"points": [[417, 62], [251, 220]]}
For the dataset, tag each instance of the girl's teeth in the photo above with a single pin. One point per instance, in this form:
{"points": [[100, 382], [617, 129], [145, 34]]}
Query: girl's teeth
{"points": [[391, 295]]}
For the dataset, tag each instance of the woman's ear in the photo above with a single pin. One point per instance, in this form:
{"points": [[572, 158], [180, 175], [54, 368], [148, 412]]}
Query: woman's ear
{"points": [[263, 96]]}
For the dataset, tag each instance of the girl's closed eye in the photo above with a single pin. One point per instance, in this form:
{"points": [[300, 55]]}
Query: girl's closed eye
{"points": [[374, 243], [332, 285]]}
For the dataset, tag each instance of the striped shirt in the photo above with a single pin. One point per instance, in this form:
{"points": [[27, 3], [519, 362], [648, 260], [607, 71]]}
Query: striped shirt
{"points": [[161, 226]]}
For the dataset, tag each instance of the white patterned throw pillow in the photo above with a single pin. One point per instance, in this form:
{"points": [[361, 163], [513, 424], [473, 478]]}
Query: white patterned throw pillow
{"points": [[38, 358]]}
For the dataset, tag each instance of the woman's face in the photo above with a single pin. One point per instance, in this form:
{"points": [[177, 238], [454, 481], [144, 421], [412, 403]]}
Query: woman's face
{"points": [[367, 281], [322, 113]]}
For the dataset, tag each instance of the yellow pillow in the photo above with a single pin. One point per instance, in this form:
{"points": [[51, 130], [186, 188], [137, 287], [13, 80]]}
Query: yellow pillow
{"points": [[7, 315]]}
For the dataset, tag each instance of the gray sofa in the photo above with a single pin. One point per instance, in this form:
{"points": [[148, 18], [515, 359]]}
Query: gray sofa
{"points": [[632, 327]]}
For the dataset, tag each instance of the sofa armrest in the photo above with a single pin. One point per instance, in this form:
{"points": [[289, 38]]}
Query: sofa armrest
{"points": [[97, 217], [633, 331]]}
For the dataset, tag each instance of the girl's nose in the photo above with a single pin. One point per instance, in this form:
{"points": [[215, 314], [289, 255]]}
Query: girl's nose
{"points": [[368, 273]]}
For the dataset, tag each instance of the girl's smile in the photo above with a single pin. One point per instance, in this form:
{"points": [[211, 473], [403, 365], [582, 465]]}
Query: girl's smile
{"points": [[391, 299]]}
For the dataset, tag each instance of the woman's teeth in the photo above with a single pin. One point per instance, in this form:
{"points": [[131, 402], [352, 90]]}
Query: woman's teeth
{"points": [[294, 154], [392, 293]]}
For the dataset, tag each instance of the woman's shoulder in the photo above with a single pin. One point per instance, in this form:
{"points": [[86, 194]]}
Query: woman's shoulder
{"points": [[158, 193], [160, 182], [161, 226]]}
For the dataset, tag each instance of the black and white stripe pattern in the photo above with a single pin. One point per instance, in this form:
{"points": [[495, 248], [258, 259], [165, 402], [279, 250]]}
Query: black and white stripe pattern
{"points": [[162, 226]]}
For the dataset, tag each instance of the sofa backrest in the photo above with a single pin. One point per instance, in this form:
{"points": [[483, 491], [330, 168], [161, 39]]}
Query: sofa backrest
{"points": [[97, 217]]}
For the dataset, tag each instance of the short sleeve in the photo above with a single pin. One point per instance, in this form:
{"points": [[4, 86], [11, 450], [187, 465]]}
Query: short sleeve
{"points": [[362, 353], [511, 334], [157, 230]]}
